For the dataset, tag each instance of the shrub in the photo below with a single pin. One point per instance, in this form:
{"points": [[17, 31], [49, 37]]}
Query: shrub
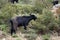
{"points": [[4, 28], [46, 37], [45, 22]]}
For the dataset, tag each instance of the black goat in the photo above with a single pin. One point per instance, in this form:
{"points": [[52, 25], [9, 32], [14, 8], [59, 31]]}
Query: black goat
{"points": [[21, 21], [12, 1], [55, 2]]}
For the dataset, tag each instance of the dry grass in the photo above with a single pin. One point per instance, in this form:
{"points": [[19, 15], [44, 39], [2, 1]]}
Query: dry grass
{"points": [[20, 36]]}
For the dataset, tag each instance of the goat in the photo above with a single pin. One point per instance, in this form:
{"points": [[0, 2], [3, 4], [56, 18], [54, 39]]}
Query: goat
{"points": [[55, 2], [12, 1], [21, 21]]}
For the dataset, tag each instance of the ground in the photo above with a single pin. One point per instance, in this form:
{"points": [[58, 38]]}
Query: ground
{"points": [[21, 37]]}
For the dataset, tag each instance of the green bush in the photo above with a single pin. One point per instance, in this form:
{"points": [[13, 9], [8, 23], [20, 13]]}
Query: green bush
{"points": [[2, 3], [4, 28], [46, 37], [46, 22]]}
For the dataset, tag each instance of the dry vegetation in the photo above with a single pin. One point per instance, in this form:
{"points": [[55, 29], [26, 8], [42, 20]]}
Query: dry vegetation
{"points": [[46, 27]]}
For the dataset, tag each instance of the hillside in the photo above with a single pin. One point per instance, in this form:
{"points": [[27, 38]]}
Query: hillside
{"points": [[45, 27]]}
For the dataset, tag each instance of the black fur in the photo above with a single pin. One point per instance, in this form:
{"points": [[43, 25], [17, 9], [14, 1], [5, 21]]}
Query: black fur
{"points": [[55, 2], [12, 1], [21, 21]]}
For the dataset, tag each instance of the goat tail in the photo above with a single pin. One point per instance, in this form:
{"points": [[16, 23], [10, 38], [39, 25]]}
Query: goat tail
{"points": [[11, 22]]}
